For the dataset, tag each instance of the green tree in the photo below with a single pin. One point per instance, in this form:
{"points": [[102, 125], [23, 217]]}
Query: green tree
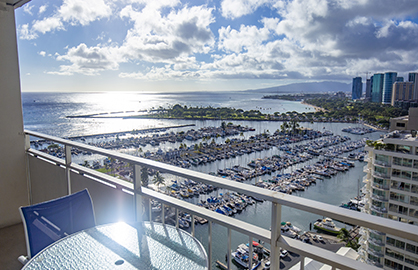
{"points": [[144, 176], [344, 235], [158, 179], [294, 125], [223, 125]]}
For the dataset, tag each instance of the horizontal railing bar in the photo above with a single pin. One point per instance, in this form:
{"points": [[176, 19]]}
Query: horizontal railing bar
{"points": [[352, 217], [85, 170], [104, 177], [36, 153], [322, 255]]}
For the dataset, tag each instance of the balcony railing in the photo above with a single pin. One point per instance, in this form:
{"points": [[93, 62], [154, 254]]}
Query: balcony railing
{"points": [[381, 186], [382, 163], [115, 199], [380, 198]]}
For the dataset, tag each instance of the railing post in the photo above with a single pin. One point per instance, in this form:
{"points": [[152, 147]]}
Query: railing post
{"points": [[162, 213], [177, 218], [302, 263], [193, 220], [229, 250], [250, 249], [67, 167], [27, 147], [210, 245], [276, 212], [138, 193], [149, 210]]}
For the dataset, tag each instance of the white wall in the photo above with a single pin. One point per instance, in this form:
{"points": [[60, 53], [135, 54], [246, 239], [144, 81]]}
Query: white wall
{"points": [[13, 184]]}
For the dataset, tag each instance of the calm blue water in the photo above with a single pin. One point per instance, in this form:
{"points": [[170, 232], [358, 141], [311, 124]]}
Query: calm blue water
{"points": [[46, 113]]}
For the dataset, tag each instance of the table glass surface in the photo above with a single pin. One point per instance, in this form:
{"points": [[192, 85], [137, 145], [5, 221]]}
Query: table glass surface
{"points": [[123, 246]]}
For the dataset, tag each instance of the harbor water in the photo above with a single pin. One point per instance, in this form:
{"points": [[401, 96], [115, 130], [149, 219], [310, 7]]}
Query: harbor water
{"points": [[46, 113]]}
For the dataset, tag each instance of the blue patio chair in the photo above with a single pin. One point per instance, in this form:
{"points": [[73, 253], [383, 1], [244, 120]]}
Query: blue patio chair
{"points": [[47, 222]]}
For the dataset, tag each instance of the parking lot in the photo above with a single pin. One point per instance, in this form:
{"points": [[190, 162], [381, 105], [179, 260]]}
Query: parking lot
{"points": [[329, 242]]}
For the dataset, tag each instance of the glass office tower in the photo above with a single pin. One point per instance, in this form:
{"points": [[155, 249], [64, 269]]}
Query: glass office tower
{"points": [[377, 87], [388, 80]]}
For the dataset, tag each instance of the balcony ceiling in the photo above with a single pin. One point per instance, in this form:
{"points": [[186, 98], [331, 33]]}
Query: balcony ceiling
{"points": [[15, 3]]}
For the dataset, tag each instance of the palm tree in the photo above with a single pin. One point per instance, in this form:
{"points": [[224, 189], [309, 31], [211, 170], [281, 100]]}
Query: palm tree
{"points": [[294, 125], [144, 176], [344, 235], [158, 179], [223, 125]]}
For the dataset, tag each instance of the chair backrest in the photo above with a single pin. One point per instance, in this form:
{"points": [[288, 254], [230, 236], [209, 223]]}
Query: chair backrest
{"points": [[49, 221]]}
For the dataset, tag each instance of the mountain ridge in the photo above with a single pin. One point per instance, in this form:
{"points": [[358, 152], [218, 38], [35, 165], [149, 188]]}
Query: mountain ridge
{"points": [[308, 87]]}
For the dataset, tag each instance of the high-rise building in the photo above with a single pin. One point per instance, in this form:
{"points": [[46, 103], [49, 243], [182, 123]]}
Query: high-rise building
{"points": [[388, 81], [377, 87], [413, 77], [392, 192], [357, 89], [369, 89], [402, 91]]}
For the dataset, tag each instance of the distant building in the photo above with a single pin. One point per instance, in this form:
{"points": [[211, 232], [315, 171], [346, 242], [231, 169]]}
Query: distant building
{"points": [[377, 87], [357, 90], [399, 79], [388, 80], [392, 192], [340, 94], [413, 77], [402, 91], [369, 89]]}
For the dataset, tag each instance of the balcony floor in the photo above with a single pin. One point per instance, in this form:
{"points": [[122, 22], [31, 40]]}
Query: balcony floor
{"points": [[12, 245]]}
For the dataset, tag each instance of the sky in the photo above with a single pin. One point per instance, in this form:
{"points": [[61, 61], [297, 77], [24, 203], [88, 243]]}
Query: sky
{"points": [[198, 45]]}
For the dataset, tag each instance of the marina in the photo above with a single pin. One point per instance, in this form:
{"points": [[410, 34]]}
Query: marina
{"points": [[300, 154]]}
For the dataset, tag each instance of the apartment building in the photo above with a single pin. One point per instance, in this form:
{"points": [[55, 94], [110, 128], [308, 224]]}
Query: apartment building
{"points": [[392, 192]]}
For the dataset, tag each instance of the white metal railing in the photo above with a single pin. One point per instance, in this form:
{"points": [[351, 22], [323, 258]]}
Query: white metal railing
{"points": [[273, 237]]}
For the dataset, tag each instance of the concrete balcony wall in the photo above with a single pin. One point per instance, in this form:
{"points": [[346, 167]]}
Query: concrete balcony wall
{"points": [[47, 180], [13, 184], [111, 204]]}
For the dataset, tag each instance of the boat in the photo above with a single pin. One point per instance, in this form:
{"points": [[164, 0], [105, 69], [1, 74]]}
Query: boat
{"points": [[286, 231], [326, 225], [292, 227], [241, 256]]}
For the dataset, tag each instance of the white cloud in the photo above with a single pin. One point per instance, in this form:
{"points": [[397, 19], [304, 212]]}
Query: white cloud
{"points": [[26, 33], [71, 11], [28, 8], [83, 12], [246, 38], [89, 60], [42, 53], [158, 38], [236, 8], [47, 25], [42, 9]]}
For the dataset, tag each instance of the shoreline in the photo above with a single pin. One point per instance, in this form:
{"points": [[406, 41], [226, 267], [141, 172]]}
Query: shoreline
{"points": [[131, 131], [317, 109], [373, 127]]}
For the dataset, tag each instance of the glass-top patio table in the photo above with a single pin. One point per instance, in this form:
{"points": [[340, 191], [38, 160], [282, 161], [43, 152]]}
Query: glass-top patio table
{"points": [[123, 246]]}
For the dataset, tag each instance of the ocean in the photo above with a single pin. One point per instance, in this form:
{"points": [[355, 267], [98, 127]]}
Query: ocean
{"points": [[46, 113]]}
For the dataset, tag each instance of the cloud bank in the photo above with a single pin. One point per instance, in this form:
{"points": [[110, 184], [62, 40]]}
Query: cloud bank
{"points": [[236, 39]]}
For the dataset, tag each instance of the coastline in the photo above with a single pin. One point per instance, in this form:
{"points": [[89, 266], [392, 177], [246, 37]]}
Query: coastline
{"points": [[317, 109], [373, 127]]}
